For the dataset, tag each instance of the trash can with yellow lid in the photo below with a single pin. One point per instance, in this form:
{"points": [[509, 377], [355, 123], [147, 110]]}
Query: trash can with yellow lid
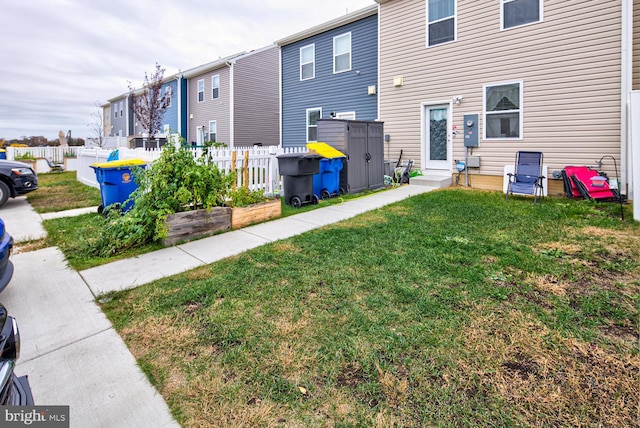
{"points": [[326, 183], [117, 182]]}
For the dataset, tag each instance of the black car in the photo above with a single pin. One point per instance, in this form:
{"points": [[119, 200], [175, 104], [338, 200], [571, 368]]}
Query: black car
{"points": [[14, 390], [16, 178]]}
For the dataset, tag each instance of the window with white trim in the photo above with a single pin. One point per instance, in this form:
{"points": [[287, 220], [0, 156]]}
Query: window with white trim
{"points": [[200, 90], [121, 108], [515, 13], [313, 114], [166, 129], [215, 86], [342, 53], [503, 110], [115, 111], [213, 131], [168, 94], [308, 62], [441, 21]]}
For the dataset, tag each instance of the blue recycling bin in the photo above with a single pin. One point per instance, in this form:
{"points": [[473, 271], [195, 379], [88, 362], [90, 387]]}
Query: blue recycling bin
{"points": [[117, 182], [326, 183]]}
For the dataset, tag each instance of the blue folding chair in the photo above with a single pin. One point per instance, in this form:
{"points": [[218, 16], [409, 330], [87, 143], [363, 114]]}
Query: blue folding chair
{"points": [[527, 178]]}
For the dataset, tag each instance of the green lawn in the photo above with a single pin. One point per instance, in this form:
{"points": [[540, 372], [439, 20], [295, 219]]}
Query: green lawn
{"points": [[452, 308], [60, 191]]}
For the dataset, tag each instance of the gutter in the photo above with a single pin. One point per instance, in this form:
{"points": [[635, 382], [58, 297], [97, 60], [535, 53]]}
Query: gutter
{"points": [[330, 25]]}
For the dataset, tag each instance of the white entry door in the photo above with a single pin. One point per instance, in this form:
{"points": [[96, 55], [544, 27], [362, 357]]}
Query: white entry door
{"points": [[436, 140]]}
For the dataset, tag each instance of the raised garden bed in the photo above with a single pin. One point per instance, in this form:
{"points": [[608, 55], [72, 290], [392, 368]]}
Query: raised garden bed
{"points": [[190, 225], [255, 213]]}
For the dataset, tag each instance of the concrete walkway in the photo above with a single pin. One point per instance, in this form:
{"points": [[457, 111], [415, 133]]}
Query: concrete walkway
{"points": [[71, 352]]}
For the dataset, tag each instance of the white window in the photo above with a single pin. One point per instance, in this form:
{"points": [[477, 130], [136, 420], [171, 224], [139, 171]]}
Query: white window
{"points": [[342, 53], [166, 129], [441, 21], [313, 114], [115, 111], [121, 108], [213, 131], [503, 110], [346, 115], [215, 86], [308, 62], [167, 93], [200, 90], [520, 12]]}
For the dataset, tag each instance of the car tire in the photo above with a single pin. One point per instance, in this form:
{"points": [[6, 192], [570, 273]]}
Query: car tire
{"points": [[4, 193]]}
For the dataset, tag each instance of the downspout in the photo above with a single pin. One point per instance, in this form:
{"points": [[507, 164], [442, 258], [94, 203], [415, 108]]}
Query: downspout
{"points": [[280, 90], [230, 64], [626, 75], [179, 96], [378, 83], [127, 120]]}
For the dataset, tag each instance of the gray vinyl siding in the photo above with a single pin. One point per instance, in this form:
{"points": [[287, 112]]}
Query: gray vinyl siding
{"points": [[570, 66], [119, 123], [257, 99], [210, 109]]}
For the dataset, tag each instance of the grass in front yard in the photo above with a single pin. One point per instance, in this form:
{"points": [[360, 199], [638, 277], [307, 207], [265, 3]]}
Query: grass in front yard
{"points": [[73, 235], [60, 191], [452, 308]]}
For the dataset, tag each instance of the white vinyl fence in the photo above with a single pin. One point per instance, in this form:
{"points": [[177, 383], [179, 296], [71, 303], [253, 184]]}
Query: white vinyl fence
{"points": [[55, 154], [261, 170]]}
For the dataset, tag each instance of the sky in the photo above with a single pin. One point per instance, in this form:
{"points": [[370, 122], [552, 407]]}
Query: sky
{"points": [[59, 58]]}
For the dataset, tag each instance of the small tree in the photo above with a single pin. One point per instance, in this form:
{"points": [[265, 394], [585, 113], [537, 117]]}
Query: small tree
{"points": [[96, 126], [150, 104]]}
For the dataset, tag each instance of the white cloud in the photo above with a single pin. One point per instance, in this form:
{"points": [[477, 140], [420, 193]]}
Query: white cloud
{"points": [[60, 56]]}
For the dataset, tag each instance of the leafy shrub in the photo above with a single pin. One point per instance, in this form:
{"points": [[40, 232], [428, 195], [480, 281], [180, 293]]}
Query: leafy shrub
{"points": [[25, 156], [176, 182], [241, 197]]}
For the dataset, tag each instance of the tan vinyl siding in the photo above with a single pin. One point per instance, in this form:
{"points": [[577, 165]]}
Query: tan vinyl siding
{"points": [[210, 109], [256, 95], [636, 45], [572, 87]]}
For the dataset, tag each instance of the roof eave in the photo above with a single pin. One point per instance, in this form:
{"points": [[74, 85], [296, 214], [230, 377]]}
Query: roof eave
{"points": [[330, 25]]}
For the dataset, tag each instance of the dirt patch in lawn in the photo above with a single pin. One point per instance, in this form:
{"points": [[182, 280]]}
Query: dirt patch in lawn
{"points": [[544, 377]]}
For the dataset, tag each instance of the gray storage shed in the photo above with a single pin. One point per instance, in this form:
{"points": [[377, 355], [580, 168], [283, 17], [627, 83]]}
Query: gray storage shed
{"points": [[363, 144]]}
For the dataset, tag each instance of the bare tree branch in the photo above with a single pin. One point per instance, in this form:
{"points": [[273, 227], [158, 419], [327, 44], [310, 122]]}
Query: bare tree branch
{"points": [[97, 125]]}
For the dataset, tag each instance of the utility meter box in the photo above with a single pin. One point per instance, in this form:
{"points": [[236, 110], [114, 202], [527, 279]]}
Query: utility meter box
{"points": [[471, 130]]}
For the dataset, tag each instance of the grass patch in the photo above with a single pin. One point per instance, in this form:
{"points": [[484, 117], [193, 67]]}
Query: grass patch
{"points": [[452, 308], [60, 191], [74, 235]]}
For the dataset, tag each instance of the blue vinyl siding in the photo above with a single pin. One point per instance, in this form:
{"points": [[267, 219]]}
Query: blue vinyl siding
{"points": [[171, 114], [342, 92]]}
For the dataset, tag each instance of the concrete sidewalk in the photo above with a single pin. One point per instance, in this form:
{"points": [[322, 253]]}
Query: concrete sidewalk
{"points": [[148, 267], [71, 352]]}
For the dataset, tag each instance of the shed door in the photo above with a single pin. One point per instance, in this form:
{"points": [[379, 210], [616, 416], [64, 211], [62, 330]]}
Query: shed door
{"points": [[436, 137]]}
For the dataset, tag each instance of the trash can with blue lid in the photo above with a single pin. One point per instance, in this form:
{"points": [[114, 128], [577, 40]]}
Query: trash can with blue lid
{"points": [[117, 181], [297, 170], [326, 182]]}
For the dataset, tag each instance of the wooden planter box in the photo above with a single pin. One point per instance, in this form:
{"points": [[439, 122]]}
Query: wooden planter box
{"points": [[256, 213], [190, 225]]}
